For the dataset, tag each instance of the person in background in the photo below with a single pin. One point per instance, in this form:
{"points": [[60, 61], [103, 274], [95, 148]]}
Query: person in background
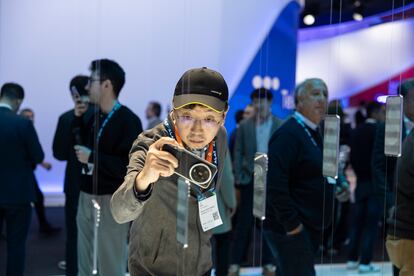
{"points": [[366, 215], [104, 158], [20, 151], [400, 238], [249, 111], [360, 114], [44, 226], [297, 191], [232, 140], [252, 136], [63, 142], [384, 167], [153, 113]]}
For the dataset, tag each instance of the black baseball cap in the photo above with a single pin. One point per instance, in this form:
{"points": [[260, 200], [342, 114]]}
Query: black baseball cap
{"points": [[202, 86]]}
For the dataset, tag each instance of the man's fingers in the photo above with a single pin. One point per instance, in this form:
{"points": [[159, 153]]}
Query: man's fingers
{"points": [[163, 169], [166, 156], [162, 141]]}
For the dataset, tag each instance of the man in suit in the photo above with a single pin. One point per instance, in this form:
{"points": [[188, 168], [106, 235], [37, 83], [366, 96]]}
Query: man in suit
{"points": [[63, 143], [383, 167], [366, 212], [252, 136], [45, 226], [20, 151]]}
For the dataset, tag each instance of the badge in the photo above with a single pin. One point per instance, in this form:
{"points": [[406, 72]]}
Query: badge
{"points": [[209, 213]]}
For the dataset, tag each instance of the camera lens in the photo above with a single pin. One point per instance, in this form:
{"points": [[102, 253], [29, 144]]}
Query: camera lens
{"points": [[200, 174]]}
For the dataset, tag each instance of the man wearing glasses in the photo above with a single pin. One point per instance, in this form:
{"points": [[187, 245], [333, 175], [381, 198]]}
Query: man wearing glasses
{"points": [[148, 195], [103, 149]]}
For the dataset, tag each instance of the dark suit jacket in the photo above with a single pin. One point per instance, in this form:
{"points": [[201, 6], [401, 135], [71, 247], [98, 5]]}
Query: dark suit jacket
{"points": [[20, 151], [245, 149], [383, 168], [63, 143]]}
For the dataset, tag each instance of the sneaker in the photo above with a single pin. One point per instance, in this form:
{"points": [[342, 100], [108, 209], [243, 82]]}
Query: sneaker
{"points": [[351, 265], [62, 265], [269, 270], [234, 270], [369, 268]]}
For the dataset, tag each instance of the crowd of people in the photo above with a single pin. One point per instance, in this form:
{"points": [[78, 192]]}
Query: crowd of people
{"points": [[115, 167]]}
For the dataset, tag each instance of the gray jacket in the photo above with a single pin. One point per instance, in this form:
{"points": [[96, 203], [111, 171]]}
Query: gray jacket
{"points": [[153, 248], [245, 149]]}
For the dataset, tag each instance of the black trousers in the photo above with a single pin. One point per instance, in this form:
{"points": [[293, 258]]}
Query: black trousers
{"points": [[295, 254], [245, 222], [221, 253], [71, 209], [364, 229], [17, 218], [40, 206]]}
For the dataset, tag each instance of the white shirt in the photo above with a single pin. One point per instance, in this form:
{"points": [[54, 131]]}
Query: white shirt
{"points": [[306, 121], [263, 135], [6, 106]]}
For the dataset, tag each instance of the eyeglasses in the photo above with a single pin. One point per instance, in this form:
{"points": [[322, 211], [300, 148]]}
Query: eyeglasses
{"points": [[91, 80], [187, 121]]}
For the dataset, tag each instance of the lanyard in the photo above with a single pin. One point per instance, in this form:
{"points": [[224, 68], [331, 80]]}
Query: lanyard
{"points": [[300, 122], [114, 109], [211, 157]]}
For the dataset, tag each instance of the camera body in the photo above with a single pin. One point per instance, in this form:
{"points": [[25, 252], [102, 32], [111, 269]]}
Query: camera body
{"points": [[191, 167]]}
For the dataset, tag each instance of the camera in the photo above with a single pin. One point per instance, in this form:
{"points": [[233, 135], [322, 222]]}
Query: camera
{"points": [[191, 167]]}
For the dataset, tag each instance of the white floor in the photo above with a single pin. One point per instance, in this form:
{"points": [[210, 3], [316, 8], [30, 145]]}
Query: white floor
{"points": [[328, 270]]}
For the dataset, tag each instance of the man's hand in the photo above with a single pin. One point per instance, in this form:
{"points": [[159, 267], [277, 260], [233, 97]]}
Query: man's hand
{"points": [[296, 231], [157, 163], [343, 193], [46, 165], [82, 153], [80, 108]]}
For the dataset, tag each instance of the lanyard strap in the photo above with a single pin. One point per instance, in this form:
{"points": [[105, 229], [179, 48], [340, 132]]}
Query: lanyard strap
{"points": [[300, 122], [105, 122], [211, 157]]}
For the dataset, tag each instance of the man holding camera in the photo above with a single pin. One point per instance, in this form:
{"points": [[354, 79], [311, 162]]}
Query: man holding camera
{"points": [[63, 143], [106, 139], [149, 192]]}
